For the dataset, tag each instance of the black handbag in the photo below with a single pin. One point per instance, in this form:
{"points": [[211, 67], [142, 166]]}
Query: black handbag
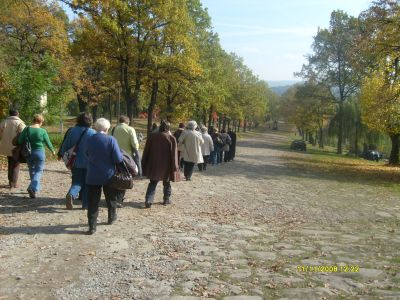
{"points": [[21, 152], [26, 149], [122, 179]]}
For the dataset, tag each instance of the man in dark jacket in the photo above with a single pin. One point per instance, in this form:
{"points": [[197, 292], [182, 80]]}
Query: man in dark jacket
{"points": [[232, 148], [160, 162]]}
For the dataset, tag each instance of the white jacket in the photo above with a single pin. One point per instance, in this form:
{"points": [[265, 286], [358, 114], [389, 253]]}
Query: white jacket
{"points": [[191, 142], [208, 144], [9, 129]]}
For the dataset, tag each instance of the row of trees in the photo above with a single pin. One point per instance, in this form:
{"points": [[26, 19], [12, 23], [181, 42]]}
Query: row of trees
{"points": [[351, 81], [156, 55]]}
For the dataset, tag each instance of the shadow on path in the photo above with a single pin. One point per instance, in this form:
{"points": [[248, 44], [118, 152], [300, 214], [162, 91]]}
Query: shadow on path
{"points": [[56, 229], [20, 204]]}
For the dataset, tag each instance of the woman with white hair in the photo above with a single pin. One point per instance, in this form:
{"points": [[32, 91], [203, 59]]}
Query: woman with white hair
{"points": [[103, 155], [206, 148], [191, 141]]}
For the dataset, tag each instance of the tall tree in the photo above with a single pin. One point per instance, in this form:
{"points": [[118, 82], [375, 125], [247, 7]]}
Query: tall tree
{"points": [[380, 97], [332, 62], [35, 47]]}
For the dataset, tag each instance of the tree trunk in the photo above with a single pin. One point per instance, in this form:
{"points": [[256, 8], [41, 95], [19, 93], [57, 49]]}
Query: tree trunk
{"points": [[394, 153], [340, 133], [94, 113], [210, 116], [229, 123], [356, 141], [169, 101], [110, 107], [224, 123], [83, 106], [152, 105], [244, 125], [321, 138], [315, 140], [219, 123]]}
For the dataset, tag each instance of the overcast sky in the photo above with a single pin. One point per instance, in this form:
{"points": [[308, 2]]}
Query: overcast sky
{"points": [[273, 36]]}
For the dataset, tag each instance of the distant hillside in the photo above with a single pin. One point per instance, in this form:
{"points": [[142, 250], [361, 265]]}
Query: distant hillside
{"points": [[280, 90], [281, 86], [279, 83]]}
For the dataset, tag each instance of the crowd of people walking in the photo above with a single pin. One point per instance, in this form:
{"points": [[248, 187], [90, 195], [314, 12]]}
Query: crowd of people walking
{"points": [[106, 160]]}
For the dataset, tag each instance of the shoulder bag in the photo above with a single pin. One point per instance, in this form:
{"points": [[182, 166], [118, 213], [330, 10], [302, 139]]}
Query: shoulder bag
{"points": [[122, 179], [69, 156], [21, 152]]}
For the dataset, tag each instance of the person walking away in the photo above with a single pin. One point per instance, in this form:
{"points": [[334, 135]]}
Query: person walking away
{"points": [[177, 135], [103, 155], [227, 141], [128, 142], [206, 148], [232, 147], [160, 163], [191, 141], [37, 137], [79, 133], [10, 128], [217, 142]]}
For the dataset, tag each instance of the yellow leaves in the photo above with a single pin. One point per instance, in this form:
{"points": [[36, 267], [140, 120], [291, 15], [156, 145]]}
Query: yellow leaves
{"points": [[33, 29], [380, 101]]}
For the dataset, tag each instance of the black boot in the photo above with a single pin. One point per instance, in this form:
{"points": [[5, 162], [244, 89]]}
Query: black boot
{"points": [[167, 201], [112, 215], [92, 227]]}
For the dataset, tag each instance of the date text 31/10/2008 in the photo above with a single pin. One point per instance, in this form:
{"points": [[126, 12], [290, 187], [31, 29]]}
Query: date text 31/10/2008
{"points": [[329, 269]]}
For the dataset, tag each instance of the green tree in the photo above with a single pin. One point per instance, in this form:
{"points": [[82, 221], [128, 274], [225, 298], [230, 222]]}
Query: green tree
{"points": [[34, 45], [380, 90], [380, 100], [332, 63]]}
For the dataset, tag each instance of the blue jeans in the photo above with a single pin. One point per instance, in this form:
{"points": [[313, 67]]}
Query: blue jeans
{"points": [[214, 156], [79, 185], [36, 166]]}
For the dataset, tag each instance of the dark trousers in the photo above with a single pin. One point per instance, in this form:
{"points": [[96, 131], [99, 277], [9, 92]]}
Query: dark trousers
{"points": [[203, 166], [180, 160], [151, 190], [226, 156], [188, 169], [219, 156], [13, 171], [94, 195]]}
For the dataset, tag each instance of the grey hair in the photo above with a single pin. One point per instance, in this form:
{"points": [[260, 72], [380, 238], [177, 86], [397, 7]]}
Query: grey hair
{"points": [[102, 124], [204, 129], [191, 125]]}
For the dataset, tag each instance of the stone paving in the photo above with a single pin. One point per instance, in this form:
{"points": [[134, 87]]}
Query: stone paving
{"points": [[247, 230]]}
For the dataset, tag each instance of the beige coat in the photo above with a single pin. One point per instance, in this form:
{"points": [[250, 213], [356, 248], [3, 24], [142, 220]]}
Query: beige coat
{"points": [[9, 129], [208, 145], [191, 141]]}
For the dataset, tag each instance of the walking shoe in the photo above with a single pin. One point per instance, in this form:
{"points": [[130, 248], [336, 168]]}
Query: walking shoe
{"points": [[31, 193], [147, 204], [69, 201], [119, 205], [167, 202], [112, 215], [91, 231]]}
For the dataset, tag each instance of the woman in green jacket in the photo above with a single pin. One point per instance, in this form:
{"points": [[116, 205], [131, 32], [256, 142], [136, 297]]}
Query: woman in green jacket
{"points": [[37, 137]]}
